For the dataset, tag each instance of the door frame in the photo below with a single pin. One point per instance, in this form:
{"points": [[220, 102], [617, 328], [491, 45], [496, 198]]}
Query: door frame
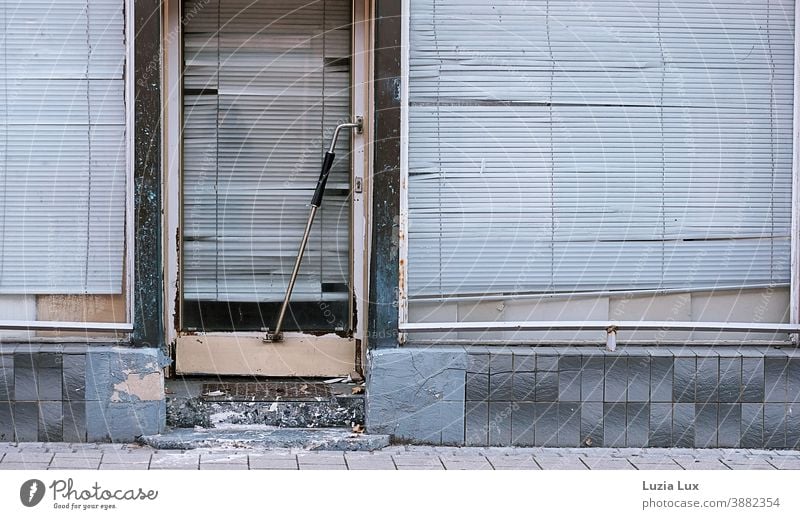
{"points": [[244, 353]]}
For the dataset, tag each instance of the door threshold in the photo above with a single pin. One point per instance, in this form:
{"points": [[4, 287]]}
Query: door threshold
{"points": [[246, 354]]}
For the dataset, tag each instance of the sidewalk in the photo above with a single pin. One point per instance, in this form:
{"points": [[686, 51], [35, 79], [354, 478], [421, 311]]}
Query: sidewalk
{"points": [[53, 456]]}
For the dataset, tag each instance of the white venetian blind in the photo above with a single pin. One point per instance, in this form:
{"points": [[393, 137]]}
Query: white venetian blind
{"points": [[62, 146], [265, 84], [607, 145]]}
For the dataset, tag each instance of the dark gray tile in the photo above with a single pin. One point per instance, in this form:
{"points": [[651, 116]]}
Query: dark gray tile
{"points": [[546, 426], [730, 425], [793, 426], [478, 363], [569, 363], [684, 379], [730, 379], [501, 388], [752, 426], [477, 387], [48, 360], [523, 417], [661, 371], [592, 424], [500, 423], [26, 421], [569, 385], [50, 383], [793, 381], [546, 363], [707, 380], [706, 421], [74, 377], [74, 428], [546, 386], [639, 378], [525, 361], [477, 423], [774, 425], [775, 380], [51, 418], [683, 425], [25, 387], [660, 425], [752, 380], [592, 375], [501, 362], [616, 379], [7, 422], [614, 424], [569, 424], [524, 386], [6, 378], [638, 432]]}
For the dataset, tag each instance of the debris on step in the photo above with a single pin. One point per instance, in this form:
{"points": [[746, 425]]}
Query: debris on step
{"points": [[357, 390], [335, 380], [356, 377], [358, 428]]}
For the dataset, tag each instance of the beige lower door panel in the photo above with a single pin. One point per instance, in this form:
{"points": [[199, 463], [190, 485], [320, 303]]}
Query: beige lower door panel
{"points": [[297, 355]]}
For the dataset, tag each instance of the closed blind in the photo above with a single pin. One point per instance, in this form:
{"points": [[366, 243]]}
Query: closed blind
{"points": [[265, 84], [564, 146], [62, 146]]}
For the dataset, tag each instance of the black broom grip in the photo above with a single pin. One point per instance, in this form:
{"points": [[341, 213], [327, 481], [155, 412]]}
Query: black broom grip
{"points": [[327, 162]]}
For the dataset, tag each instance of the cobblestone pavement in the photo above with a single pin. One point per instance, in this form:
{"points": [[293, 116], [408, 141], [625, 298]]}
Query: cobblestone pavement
{"points": [[53, 456]]}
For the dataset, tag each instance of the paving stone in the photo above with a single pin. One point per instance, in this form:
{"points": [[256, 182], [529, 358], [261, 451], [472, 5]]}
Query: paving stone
{"points": [[511, 462], [752, 465], [78, 454], [402, 461], [782, 463], [269, 463], [643, 465], [124, 466], [178, 461], [28, 457], [223, 466], [465, 464], [307, 466], [608, 463], [702, 464], [560, 463]]}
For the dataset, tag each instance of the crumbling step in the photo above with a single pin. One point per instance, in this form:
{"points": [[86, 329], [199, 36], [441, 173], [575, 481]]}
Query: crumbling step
{"points": [[300, 405], [266, 437]]}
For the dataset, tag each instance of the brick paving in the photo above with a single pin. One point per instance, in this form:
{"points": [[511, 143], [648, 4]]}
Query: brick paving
{"points": [[67, 456]]}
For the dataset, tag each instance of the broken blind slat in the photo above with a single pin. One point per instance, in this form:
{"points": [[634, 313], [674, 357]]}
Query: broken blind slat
{"points": [[62, 146], [611, 145], [265, 84]]}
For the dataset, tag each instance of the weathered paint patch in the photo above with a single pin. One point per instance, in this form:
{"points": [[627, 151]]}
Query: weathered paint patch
{"points": [[143, 387]]}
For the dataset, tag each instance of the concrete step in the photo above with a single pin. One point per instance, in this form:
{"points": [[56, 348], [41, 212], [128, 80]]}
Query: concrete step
{"points": [[266, 437], [194, 402]]}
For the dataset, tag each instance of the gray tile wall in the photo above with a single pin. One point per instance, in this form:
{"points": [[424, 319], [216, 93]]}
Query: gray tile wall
{"points": [[43, 394], [745, 397]]}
